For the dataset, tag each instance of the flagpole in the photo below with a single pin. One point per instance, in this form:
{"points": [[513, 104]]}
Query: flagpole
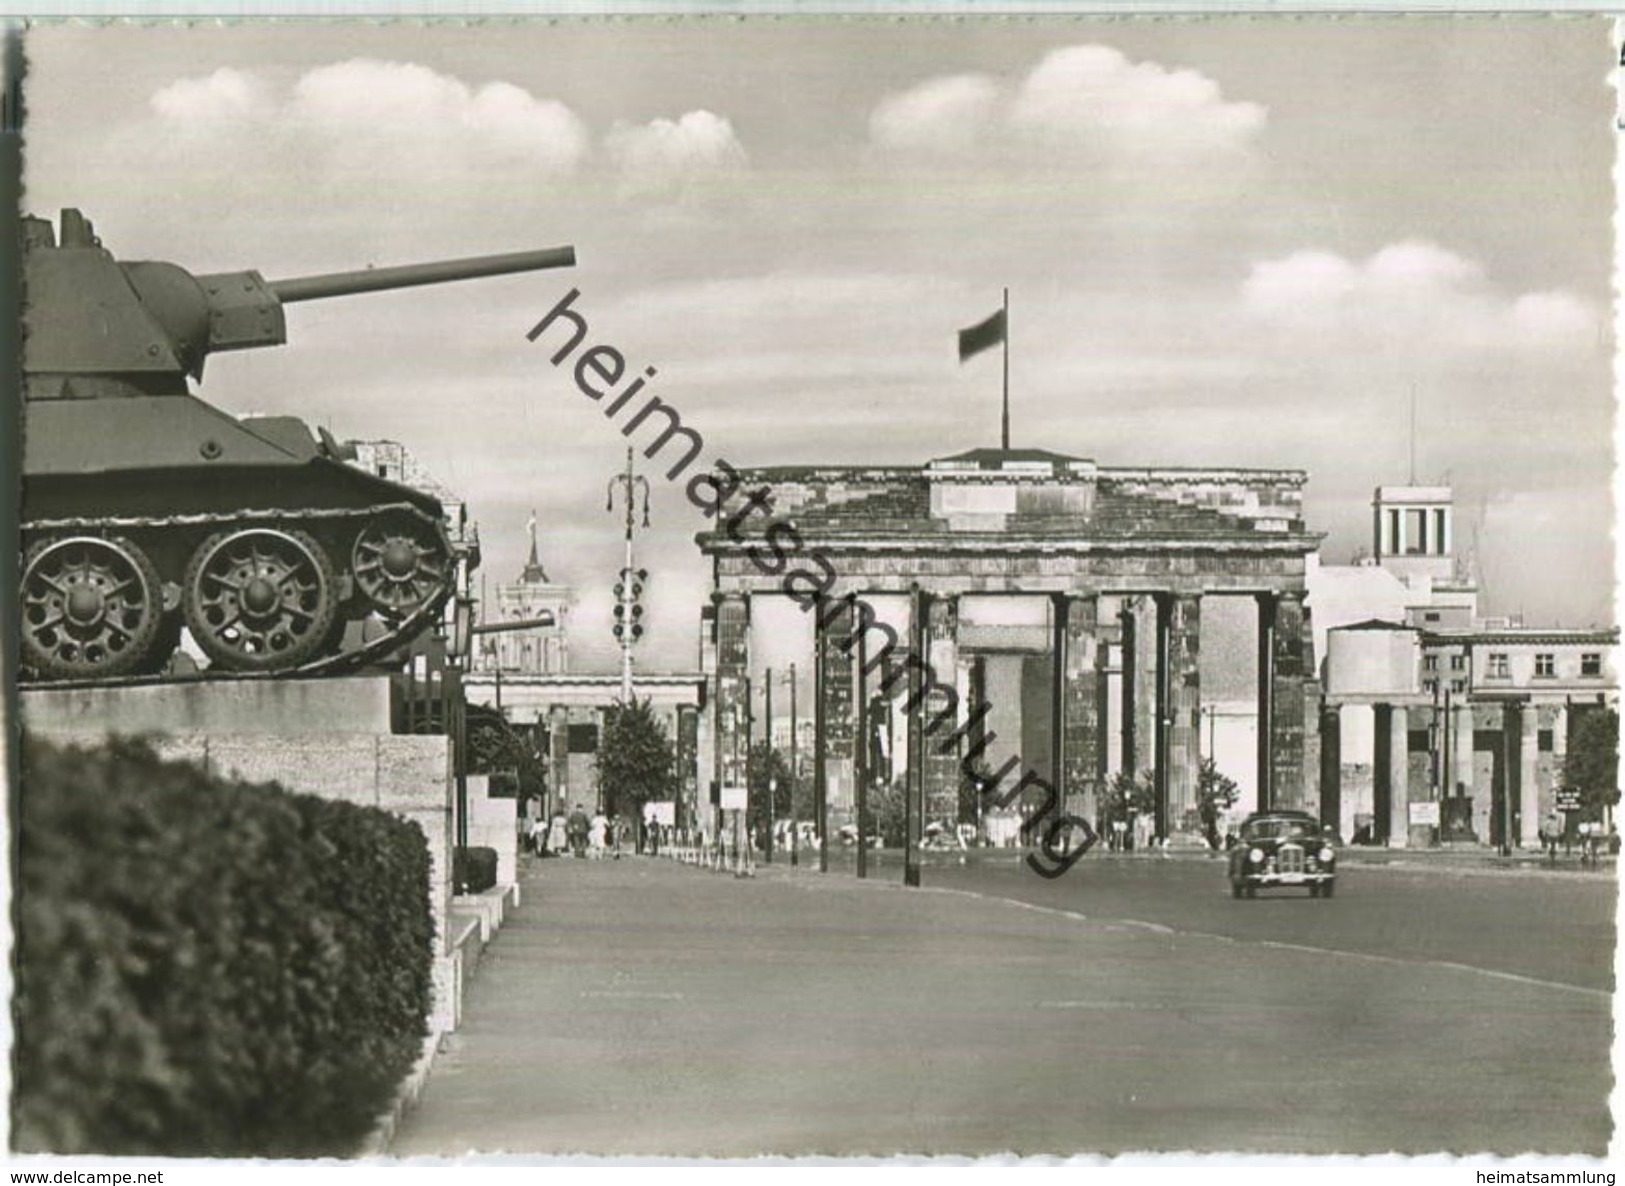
{"points": [[1007, 370]]}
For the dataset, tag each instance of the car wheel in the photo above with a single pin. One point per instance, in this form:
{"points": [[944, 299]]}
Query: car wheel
{"points": [[1235, 889], [1252, 891], [1314, 891], [1326, 890]]}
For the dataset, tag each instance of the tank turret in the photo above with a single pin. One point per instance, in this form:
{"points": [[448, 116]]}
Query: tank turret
{"points": [[146, 509], [94, 325]]}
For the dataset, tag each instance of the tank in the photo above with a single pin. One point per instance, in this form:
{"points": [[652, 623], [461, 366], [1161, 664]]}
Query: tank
{"points": [[145, 509]]}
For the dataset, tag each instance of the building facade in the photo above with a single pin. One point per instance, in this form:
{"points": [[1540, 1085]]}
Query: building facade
{"points": [[540, 649], [1440, 725]]}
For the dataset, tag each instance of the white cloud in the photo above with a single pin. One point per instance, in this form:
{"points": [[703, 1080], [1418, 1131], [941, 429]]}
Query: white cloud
{"points": [[225, 95], [402, 105], [1411, 294], [1087, 101], [672, 157], [1090, 91], [944, 115]]}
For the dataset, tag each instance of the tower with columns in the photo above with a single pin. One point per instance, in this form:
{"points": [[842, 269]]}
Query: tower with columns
{"points": [[538, 650]]}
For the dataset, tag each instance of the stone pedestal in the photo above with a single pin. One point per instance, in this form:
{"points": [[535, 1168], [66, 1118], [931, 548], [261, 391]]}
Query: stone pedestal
{"points": [[328, 738]]}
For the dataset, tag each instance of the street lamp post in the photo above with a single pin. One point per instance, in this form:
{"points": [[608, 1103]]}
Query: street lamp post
{"points": [[742, 816], [772, 783], [627, 628], [795, 824]]}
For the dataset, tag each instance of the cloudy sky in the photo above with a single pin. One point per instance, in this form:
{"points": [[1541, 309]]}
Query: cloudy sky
{"points": [[1227, 242]]}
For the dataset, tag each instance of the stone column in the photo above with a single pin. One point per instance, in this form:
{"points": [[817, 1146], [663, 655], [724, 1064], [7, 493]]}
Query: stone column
{"points": [[1184, 708], [1147, 662], [733, 663], [1161, 748], [1266, 701], [1463, 778], [1331, 767], [1399, 777], [1528, 833], [688, 765], [1108, 694], [558, 749], [1281, 692], [833, 636], [1076, 751], [1128, 751], [941, 771]]}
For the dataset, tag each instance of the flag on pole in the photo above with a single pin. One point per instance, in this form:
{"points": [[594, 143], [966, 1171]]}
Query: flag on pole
{"points": [[984, 335]]}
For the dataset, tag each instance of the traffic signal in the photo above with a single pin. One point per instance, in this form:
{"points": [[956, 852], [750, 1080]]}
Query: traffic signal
{"points": [[629, 609]]}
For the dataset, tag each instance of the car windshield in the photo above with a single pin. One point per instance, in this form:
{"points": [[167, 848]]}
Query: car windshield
{"points": [[1279, 829]]}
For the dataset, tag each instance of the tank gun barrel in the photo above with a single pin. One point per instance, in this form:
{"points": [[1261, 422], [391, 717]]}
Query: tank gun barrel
{"points": [[335, 284]]}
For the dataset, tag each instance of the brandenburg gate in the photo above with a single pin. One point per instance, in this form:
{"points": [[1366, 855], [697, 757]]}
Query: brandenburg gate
{"points": [[1067, 595]]}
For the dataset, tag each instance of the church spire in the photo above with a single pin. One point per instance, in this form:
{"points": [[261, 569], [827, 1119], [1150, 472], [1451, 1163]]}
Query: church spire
{"points": [[533, 573]]}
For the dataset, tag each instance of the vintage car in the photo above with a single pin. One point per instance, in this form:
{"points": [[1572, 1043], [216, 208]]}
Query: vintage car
{"points": [[1283, 848]]}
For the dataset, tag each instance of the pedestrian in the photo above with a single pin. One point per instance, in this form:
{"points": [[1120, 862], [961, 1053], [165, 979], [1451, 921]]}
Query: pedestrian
{"points": [[598, 835], [1210, 825], [1145, 827], [1551, 831], [558, 840], [578, 826], [654, 836]]}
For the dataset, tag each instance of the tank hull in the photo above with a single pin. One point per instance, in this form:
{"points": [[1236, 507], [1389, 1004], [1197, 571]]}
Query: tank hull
{"points": [[232, 518]]}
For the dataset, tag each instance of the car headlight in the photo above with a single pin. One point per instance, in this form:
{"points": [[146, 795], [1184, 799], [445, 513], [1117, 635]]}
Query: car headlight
{"points": [[1256, 856], [1327, 856]]}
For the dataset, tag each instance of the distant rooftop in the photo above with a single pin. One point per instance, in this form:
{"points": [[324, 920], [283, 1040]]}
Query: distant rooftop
{"points": [[998, 459]]}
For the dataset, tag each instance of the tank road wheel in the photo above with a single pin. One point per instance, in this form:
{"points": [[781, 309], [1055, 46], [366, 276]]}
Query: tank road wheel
{"points": [[399, 565], [260, 599], [90, 607]]}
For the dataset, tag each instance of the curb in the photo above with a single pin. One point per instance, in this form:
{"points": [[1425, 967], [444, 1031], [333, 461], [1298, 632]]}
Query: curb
{"points": [[383, 1130]]}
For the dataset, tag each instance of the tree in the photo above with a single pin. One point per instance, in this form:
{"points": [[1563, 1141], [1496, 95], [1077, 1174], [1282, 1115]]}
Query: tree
{"points": [[803, 799], [1592, 763], [497, 748], [1215, 792], [766, 768], [636, 761], [1128, 795], [886, 814]]}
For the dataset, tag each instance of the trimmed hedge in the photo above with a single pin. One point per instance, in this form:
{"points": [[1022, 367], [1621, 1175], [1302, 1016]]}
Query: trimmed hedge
{"points": [[208, 968], [473, 869]]}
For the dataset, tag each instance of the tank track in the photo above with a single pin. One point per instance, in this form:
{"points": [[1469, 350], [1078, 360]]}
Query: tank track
{"points": [[340, 663]]}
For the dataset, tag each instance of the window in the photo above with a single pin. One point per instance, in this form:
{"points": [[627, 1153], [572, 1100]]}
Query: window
{"points": [[1458, 686], [1430, 662], [1545, 665], [1543, 741], [1498, 668], [1416, 532], [1430, 616], [1591, 664], [1458, 662], [1430, 686]]}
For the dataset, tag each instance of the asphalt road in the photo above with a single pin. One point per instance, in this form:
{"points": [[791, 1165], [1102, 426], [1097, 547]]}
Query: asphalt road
{"points": [[1524, 920], [643, 1007]]}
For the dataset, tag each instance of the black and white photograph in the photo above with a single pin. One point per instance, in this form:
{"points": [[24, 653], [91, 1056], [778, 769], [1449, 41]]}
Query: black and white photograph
{"points": [[828, 587]]}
